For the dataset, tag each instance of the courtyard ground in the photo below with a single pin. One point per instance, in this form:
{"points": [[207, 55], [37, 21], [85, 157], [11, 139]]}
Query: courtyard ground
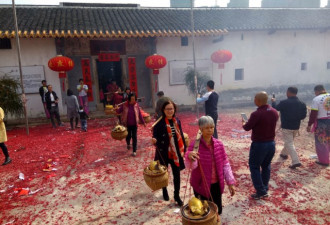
{"points": [[93, 179]]}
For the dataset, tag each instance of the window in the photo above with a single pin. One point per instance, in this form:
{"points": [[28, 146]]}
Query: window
{"points": [[303, 66], [328, 65], [239, 74], [5, 43], [184, 41]]}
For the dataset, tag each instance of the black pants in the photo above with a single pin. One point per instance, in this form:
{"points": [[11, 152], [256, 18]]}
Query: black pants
{"points": [[54, 113], [176, 176], [215, 119], [71, 122], [216, 195], [132, 133], [4, 149]]}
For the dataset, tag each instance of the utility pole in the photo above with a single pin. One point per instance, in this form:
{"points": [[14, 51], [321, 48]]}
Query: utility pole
{"points": [[20, 68], [193, 48]]}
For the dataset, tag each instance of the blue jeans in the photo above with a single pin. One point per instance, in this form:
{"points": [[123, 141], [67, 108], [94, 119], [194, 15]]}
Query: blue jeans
{"points": [[83, 125], [261, 155]]}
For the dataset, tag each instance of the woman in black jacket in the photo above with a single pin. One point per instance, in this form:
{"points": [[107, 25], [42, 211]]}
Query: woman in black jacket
{"points": [[170, 146]]}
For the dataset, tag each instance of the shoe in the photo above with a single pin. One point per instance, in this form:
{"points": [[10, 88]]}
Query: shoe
{"points": [[134, 154], [128, 147], [178, 200], [295, 166], [54, 127], [7, 161], [322, 164], [165, 194], [283, 156], [77, 126], [61, 125], [257, 196]]}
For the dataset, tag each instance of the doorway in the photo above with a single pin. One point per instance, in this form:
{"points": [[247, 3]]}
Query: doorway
{"points": [[108, 71]]}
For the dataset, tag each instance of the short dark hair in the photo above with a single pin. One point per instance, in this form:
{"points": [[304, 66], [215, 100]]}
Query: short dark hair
{"points": [[293, 90], [81, 107], [319, 87], [210, 84], [167, 103], [80, 80], [69, 92], [43, 81], [130, 96], [127, 88], [160, 93]]}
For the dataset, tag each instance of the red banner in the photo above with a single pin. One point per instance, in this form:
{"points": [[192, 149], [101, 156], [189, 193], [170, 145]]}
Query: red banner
{"points": [[132, 75], [109, 57], [86, 71]]}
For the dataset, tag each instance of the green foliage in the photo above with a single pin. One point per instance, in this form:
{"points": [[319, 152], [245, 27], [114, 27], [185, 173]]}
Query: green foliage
{"points": [[202, 79], [10, 100]]}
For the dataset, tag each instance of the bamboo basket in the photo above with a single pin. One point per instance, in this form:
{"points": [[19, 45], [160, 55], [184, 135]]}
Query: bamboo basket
{"points": [[109, 111], [119, 135], [155, 181], [147, 119], [210, 219]]}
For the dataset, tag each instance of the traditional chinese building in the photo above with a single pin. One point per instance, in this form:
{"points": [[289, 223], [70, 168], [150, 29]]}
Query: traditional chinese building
{"points": [[271, 48]]}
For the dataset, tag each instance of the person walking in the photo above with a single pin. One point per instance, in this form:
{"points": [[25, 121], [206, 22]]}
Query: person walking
{"points": [[170, 146], [262, 122], [72, 108], [211, 104], [42, 91], [3, 138], [83, 98], [131, 117], [292, 111], [52, 106], [209, 159], [159, 103], [320, 118]]}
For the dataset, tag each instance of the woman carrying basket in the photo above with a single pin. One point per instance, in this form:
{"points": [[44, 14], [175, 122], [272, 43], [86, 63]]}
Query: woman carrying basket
{"points": [[170, 146], [209, 164]]}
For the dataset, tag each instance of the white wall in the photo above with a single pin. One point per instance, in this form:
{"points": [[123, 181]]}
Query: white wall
{"points": [[268, 60], [35, 51]]}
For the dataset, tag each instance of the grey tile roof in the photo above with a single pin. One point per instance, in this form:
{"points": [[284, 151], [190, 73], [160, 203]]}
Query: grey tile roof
{"points": [[59, 21]]}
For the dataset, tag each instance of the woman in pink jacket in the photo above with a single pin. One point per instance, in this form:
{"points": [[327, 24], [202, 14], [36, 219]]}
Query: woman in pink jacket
{"points": [[211, 156]]}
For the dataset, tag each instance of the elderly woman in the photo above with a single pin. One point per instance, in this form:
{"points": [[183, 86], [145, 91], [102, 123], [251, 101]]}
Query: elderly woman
{"points": [[170, 144], [72, 108], [3, 138], [208, 158]]}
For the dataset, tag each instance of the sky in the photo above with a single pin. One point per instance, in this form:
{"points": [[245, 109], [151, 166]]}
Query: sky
{"points": [[144, 3]]}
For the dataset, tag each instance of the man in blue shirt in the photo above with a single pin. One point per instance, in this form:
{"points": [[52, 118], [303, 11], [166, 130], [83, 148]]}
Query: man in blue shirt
{"points": [[211, 104]]}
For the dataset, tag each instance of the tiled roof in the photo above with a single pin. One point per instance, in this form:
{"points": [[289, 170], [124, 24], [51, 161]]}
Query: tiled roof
{"points": [[59, 21]]}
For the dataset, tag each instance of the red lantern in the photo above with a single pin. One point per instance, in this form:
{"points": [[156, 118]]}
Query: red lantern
{"points": [[155, 62], [61, 64], [221, 57]]}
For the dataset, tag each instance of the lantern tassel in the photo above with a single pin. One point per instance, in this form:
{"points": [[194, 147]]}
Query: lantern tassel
{"points": [[221, 78]]}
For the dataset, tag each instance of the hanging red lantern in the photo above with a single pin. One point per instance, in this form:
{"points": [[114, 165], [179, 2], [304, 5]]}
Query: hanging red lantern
{"points": [[221, 57], [61, 64], [155, 62]]}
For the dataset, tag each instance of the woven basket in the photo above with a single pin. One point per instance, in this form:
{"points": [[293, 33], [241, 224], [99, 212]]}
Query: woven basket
{"points": [[147, 119], [211, 219], [108, 111], [119, 135], [155, 181]]}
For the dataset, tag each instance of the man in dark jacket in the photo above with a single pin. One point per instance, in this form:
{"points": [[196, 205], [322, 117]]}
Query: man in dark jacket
{"points": [[52, 106], [211, 104], [292, 112], [159, 104], [42, 91]]}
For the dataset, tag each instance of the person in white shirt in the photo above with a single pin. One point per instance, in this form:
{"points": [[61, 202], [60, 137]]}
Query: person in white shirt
{"points": [[320, 119], [83, 98]]}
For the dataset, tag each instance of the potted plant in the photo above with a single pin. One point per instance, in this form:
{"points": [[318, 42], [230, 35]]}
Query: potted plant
{"points": [[10, 99], [202, 79]]}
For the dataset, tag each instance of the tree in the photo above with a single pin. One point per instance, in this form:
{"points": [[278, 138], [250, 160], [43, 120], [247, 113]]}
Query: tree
{"points": [[202, 79], [10, 99]]}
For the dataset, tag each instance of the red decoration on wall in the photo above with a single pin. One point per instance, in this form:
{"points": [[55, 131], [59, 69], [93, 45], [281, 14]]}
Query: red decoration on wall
{"points": [[109, 57], [86, 72], [132, 75], [155, 62], [221, 57], [61, 64]]}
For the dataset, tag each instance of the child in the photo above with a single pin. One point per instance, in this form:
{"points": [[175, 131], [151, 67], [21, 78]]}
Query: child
{"points": [[83, 118]]}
